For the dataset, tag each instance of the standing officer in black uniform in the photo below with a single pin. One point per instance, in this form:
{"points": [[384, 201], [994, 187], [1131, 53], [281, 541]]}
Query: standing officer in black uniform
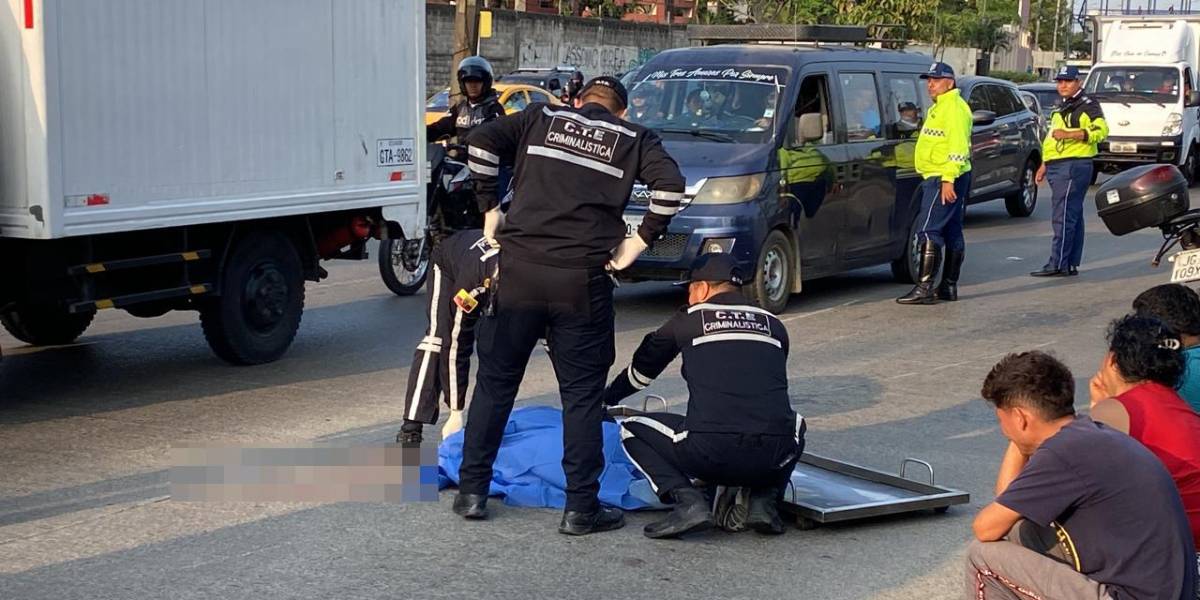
{"points": [[564, 232], [480, 105], [740, 429], [463, 267]]}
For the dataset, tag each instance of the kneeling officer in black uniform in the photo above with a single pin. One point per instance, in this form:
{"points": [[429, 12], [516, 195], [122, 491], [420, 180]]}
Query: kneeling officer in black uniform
{"points": [[575, 171], [740, 429]]}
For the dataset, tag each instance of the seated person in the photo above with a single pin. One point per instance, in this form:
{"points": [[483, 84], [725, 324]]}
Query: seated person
{"points": [[643, 104], [1179, 307], [698, 111], [1088, 512], [1134, 393], [740, 429], [910, 119]]}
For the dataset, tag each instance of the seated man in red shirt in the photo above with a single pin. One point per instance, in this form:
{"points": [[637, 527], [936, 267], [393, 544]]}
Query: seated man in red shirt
{"points": [[1134, 392]]}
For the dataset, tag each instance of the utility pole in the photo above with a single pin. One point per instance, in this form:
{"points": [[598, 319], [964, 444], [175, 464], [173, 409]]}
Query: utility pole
{"points": [[1057, 18], [1037, 27], [466, 38]]}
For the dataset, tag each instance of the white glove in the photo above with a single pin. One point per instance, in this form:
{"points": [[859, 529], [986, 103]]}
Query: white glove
{"points": [[493, 220], [453, 424], [627, 252]]}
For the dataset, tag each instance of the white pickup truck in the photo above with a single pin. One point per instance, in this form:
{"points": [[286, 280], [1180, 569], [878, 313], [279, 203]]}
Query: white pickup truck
{"points": [[1145, 80], [201, 155]]}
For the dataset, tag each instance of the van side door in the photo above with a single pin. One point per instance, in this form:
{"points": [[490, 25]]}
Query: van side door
{"points": [[905, 105], [808, 182], [869, 190]]}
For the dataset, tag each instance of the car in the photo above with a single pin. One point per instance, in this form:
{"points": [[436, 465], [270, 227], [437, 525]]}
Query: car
{"points": [[552, 79], [1047, 95], [799, 160], [1006, 153], [1035, 106], [514, 98]]}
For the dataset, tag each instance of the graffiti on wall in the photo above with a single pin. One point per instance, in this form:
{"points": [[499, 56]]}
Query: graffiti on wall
{"points": [[592, 60]]}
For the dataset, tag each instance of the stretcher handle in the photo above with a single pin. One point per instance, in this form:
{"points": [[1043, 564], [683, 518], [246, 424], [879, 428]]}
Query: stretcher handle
{"points": [[904, 464], [646, 402]]}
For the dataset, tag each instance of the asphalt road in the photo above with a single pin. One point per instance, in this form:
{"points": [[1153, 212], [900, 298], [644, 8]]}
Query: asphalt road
{"points": [[86, 433]]}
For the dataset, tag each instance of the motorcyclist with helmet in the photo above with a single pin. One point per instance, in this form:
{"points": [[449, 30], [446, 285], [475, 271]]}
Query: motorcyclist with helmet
{"points": [[480, 105]]}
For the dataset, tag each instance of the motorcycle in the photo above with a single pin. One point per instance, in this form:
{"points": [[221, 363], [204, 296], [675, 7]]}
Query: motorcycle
{"points": [[450, 207], [1155, 196], [1185, 231]]}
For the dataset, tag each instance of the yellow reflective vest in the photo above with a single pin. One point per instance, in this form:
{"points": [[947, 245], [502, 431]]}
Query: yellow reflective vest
{"points": [[944, 146]]}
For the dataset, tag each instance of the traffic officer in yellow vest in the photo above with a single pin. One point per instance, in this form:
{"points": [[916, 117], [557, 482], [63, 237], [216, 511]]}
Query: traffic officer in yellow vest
{"points": [[1076, 127], [943, 159]]}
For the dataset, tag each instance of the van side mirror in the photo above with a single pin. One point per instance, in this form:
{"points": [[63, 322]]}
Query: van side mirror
{"points": [[812, 127], [983, 117], [1193, 98]]}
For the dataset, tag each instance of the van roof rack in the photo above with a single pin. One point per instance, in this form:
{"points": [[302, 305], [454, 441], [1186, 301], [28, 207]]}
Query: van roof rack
{"points": [[797, 33]]}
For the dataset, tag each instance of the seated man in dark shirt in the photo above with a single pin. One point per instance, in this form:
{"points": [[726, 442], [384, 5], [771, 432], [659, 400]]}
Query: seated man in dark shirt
{"points": [[1087, 511]]}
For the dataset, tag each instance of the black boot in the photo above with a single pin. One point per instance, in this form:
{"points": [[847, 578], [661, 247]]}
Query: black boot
{"points": [[948, 289], [923, 292], [471, 506], [410, 433], [764, 511], [691, 514], [605, 518]]}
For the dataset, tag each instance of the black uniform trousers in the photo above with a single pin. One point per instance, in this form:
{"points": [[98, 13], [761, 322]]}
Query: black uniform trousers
{"points": [[442, 362], [671, 457], [574, 308]]}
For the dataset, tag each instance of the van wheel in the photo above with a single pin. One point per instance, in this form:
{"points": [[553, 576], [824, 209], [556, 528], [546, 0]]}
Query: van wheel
{"points": [[43, 326], [1024, 200], [773, 274], [907, 266], [256, 317]]}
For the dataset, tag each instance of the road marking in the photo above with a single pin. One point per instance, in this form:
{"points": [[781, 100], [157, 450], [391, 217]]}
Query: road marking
{"points": [[817, 312]]}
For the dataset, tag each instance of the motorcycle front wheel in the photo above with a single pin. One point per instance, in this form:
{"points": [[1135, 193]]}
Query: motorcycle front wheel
{"points": [[404, 264]]}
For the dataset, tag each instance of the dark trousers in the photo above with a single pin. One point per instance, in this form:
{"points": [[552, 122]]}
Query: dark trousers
{"points": [[442, 362], [671, 457], [574, 308], [943, 223], [1069, 179]]}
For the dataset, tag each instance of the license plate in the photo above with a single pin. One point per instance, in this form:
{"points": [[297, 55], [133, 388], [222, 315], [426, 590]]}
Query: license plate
{"points": [[1187, 266], [632, 222], [1122, 147]]}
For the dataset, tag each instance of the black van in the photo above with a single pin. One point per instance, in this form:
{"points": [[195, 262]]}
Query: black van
{"points": [[799, 159]]}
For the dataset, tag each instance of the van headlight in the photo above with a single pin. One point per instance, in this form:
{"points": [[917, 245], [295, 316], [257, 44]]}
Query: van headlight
{"points": [[1174, 125], [730, 190]]}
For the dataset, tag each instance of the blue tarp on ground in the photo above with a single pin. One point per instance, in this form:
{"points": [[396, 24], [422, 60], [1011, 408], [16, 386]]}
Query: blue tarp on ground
{"points": [[528, 469]]}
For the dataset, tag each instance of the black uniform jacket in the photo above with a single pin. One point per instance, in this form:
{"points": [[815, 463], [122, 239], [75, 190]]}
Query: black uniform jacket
{"points": [[575, 170], [734, 362]]}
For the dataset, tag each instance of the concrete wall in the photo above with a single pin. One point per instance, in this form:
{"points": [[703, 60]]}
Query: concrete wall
{"points": [[961, 59], [519, 39]]}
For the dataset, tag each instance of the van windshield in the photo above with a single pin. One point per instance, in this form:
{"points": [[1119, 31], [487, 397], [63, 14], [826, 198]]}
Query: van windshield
{"points": [[735, 105], [1157, 85]]}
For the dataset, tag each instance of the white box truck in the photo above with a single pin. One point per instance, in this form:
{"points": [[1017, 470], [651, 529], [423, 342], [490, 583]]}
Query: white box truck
{"points": [[206, 155], [1145, 80]]}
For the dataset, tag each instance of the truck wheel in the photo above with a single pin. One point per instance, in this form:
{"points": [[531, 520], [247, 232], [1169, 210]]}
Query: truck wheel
{"points": [[773, 273], [256, 317], [1190, 165], [41, 326], [1024, 200], [404, 264]]}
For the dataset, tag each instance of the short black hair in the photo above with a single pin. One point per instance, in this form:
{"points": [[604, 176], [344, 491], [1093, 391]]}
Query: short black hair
{"points": [[1146, 349], [1175, 304], [1034, 380]]}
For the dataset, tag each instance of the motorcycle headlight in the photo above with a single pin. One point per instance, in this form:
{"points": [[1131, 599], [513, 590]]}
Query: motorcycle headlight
{"points": [[730, 190], [1174, 125]]}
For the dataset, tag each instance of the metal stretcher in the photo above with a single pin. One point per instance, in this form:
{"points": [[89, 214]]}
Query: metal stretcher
{"points": [[823, 490]]}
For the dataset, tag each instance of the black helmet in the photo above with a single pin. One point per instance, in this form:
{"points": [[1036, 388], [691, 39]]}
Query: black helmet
{"points": [[475, 67]]}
